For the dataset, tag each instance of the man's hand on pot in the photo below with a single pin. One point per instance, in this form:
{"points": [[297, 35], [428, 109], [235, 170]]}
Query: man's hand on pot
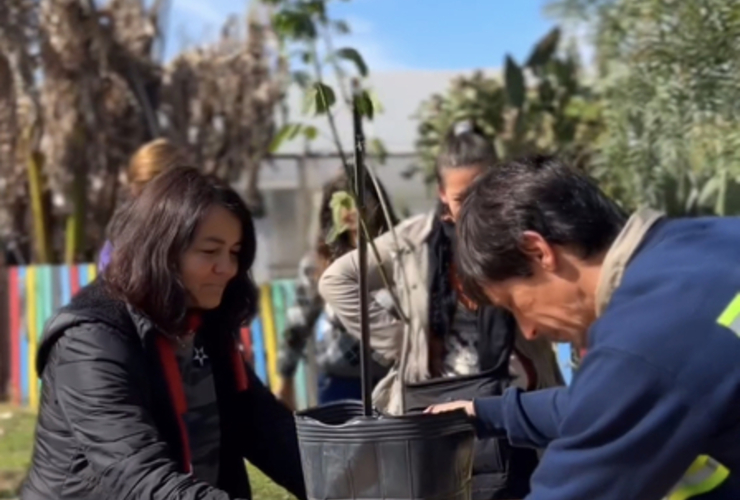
{"points": [[455, 405]]}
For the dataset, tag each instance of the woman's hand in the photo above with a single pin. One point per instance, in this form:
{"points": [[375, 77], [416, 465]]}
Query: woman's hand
{"points": [[455, 405]]}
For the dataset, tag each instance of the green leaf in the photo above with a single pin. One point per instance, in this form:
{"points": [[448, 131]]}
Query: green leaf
{"points": [[341, 203], [377, 148], [324, 97], [318, 99], [316, 8], [546, 92], [310, 132], [353, 55], [302, 78], [544, 49], [341, 27], [377, 105], [514, 83], [709, 191], [342, 200], [286, 133], [567, 75], [294, 24], [365, 105]]}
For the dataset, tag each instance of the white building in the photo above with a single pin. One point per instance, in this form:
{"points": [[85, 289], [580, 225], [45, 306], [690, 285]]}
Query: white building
{"points": [[291, 183]]}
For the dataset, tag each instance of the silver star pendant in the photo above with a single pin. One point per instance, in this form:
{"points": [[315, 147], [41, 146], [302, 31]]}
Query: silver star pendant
{"points": [[200, 357]]}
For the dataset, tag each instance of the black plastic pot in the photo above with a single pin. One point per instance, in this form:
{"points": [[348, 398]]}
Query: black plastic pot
{"points": [[347, 456], [500, 471]]}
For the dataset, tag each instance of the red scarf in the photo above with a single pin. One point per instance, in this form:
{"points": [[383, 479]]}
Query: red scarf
{"points": [[173, 378]]}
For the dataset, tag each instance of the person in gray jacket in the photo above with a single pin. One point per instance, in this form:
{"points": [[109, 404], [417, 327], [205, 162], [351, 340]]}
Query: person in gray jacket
{"points": [[432, 332], [440, 322]]}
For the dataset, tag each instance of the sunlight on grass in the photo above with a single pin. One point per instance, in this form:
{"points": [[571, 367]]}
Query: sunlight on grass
{"points": [[16, 443], [263, 488]]}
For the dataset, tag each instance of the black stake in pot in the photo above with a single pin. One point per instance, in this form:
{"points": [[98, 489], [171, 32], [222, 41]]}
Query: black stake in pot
{"points": [[362, 252], [350, 452]]}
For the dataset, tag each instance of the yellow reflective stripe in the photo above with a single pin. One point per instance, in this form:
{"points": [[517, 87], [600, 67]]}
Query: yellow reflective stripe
{"points": [[730, 314], [704, 475], [698, 464]]}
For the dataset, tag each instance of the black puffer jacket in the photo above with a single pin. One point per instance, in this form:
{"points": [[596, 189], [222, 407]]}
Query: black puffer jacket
{"points": [[108, 427]]}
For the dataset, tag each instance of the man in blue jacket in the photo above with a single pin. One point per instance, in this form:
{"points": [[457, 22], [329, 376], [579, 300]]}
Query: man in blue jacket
{"points": [[654, 410]]}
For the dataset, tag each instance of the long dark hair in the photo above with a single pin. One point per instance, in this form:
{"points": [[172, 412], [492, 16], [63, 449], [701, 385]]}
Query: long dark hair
{"points": [[150, 234], [375, 217], [465, 145]]}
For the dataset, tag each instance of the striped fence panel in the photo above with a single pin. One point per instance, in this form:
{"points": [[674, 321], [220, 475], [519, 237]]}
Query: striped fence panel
{"points": [[36, 292], [269, 335], [14, 308], [283, 296], [259, 355], [23, 332]]}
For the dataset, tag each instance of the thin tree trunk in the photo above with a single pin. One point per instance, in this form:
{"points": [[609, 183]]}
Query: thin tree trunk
{"points": [[41, 243]]}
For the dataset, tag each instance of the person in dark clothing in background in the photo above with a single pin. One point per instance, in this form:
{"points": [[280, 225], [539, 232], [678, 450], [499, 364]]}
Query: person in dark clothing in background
{"points": [[653, 412], [145, 391], [337, 352]]}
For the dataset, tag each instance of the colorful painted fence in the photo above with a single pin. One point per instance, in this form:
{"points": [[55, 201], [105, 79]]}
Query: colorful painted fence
{"points": [[36, 292], [266, 333]]}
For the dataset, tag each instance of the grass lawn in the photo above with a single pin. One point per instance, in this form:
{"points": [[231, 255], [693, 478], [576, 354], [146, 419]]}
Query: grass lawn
{"points": [[16, 443]]}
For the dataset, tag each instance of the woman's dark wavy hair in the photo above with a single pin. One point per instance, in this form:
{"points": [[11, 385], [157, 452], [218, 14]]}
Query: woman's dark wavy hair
{"points": [[150, 234], [376, 220]]}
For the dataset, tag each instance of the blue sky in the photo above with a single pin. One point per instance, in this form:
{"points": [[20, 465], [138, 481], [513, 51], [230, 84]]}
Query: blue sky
{"points": [[401, 34]]}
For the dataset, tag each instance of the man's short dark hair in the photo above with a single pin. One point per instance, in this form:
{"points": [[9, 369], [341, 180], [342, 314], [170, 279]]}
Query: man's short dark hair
{"points": [[539, 194]]}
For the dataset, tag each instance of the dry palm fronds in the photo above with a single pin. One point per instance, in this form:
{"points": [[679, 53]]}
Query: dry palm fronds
{"points": [[18, 112], [220, 101], [102, 93]]}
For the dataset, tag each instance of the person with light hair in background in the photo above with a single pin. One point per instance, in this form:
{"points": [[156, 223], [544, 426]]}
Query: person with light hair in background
{"points": [[147, 162]]}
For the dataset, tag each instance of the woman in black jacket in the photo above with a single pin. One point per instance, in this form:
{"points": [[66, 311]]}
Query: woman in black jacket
{"points": [[145, 391]]}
